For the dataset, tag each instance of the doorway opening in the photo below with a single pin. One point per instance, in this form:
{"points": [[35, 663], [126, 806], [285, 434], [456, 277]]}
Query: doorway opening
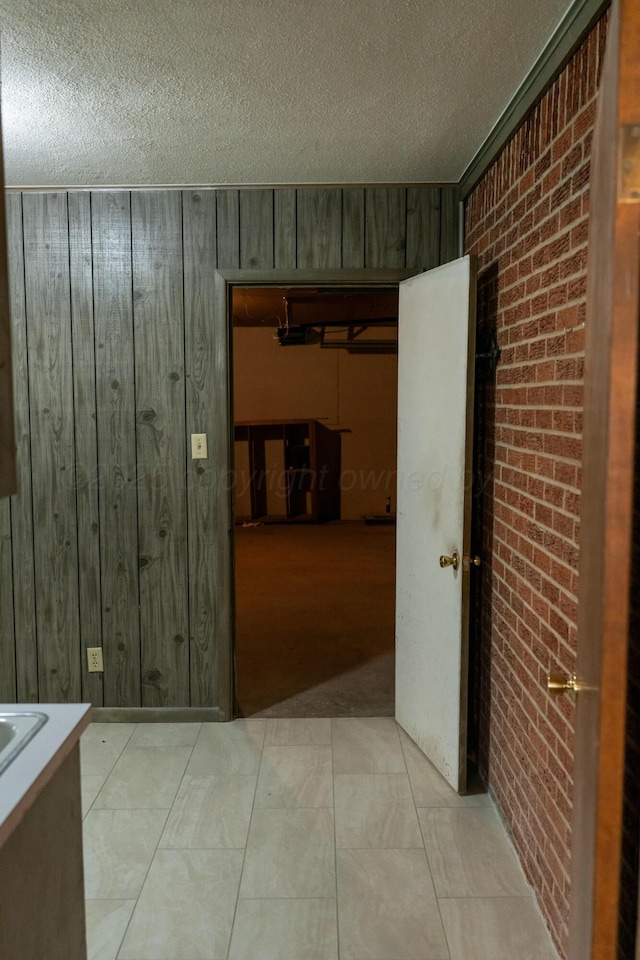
{"points": [[314, 400]]}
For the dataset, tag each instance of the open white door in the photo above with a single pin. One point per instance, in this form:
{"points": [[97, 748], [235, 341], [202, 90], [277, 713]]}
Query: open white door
{"points": [[436, 347]]}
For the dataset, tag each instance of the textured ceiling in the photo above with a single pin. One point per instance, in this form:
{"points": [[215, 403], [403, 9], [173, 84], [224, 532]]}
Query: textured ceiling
{"points": [[103, 92]]}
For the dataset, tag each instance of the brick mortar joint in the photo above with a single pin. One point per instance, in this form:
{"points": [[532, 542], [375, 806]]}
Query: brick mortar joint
{"points": [[539, 523], [542, 619], [537, 500], [537, 271], [526, 625], [552, 556], [556, 458], [538, 407], [523, 770], [533, 431], [501, 226], [553, 607], [565, 793], [547, 358], [550, 823], [500, 222], [543, 668], [543, 337]]}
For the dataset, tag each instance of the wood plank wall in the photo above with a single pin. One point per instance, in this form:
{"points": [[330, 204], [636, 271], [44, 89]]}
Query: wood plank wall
{"points": [[7, 432], [110, 539]]}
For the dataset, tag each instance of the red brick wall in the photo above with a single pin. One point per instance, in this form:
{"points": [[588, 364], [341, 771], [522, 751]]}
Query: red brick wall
{"points": [[527, 220]]}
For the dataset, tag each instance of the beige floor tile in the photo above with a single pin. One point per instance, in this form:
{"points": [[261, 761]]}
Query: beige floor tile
{"points": [[224, 748], [116, 734], [165, 735], [297, 732], [100, 746], [90, 788], [387, 907], [285, 930], [429, 787], [367, 745], [118, 848], [210, 812], [186, 908], [496, 929], [469, 853], [106, 925], [375, 810], [144, 778], [290, 853], [300, 776]]}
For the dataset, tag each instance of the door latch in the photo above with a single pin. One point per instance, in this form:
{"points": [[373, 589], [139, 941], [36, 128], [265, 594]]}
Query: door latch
{"points": [[560, 683]]}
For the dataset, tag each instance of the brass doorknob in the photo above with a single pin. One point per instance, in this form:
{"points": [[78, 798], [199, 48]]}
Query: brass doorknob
{"points": [[560, 683], [455, 561]]}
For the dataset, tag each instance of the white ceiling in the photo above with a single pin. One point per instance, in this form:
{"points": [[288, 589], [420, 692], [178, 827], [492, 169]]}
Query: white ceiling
{"points": [[137, 92]]}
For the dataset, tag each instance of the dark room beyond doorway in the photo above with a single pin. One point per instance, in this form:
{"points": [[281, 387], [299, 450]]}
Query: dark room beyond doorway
{"points": [[315, 385]]}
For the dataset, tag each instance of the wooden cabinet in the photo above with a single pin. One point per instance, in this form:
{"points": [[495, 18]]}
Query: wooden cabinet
{"points": [[309, 468], [42, 907]]}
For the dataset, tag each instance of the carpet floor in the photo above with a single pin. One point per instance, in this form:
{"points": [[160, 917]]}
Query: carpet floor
{"points": [[315, 620]]}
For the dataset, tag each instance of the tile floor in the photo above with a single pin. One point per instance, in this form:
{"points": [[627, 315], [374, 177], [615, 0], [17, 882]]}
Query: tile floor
{"points": [[295, 839]]}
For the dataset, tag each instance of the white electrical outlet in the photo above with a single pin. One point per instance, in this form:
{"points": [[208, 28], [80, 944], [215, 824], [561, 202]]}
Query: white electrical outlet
{"points": [[199, 446], [94, 660]]}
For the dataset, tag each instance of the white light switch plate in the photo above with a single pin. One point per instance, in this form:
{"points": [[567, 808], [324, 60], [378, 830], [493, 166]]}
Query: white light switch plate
{"points": [[199, 446]]}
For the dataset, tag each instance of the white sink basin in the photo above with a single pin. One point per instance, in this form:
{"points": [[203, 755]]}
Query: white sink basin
{"points": [[16, 729]]}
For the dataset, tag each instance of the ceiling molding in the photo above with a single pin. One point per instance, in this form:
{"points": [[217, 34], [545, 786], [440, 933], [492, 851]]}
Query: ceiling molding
{"points": [[57, 188], [580, 18]]}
